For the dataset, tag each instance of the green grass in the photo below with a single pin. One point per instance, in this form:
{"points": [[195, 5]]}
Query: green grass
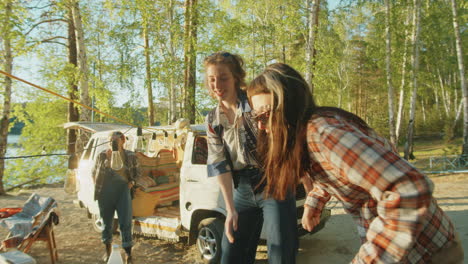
{"points": [[436, 147], [426, 148]]}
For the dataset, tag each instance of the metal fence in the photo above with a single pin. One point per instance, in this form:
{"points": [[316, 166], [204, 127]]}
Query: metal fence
{"points": [[443, 164]]}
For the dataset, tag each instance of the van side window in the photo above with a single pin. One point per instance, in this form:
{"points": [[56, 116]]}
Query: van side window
{"points": [[88, 149], [101, 145], [200, 151]]}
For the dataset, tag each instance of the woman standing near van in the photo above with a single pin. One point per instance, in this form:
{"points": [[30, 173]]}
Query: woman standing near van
{"points": [[232, 158], [112, 191], [397, 217]]}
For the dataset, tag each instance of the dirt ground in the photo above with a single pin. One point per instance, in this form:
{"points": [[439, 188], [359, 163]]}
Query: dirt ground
{"points": [[336, 243]]}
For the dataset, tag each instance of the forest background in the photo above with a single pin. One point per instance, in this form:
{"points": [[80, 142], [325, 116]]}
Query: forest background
{"points": [[396, 63]]}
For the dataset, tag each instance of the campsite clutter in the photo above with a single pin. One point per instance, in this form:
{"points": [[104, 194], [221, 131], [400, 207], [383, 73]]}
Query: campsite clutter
{"points": [[35, 222], [115, 256], [174, 198]]}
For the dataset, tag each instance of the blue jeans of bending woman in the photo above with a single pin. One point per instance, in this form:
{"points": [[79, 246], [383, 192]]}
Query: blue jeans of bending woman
{"points": [[277, 217], [115, 196]]}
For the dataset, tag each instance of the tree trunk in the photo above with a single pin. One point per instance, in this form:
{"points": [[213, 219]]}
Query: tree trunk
{"points": [[314, 7], [253, 43], [172, 89], [190, 58], [82, 61], [457, 114], [149, 83], [445, 96], [408, 153], [8, 66], [461, 68], [436, 94], [391, 95], [423, 111], [403, 82], [73, 111]]}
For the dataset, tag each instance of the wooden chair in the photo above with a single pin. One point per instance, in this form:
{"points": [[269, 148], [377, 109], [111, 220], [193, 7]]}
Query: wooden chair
{"points": [[34, 223]]}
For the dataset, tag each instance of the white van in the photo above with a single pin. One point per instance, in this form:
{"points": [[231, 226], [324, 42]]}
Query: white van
{"points": [[196, 210]]}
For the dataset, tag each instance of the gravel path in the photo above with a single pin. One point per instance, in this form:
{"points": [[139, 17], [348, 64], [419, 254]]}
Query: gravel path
{"points": [[336, 243]]}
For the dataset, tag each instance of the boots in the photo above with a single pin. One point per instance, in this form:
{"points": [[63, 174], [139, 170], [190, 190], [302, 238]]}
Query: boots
{"points": [[105, 258], [128, 256]]}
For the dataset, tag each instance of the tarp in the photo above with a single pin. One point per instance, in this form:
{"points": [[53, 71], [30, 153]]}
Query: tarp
{"points": [[163, 226], [21, 224]]}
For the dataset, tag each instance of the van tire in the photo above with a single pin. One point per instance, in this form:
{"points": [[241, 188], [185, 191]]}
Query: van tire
{"points": [[98, 225], [210, 235]]}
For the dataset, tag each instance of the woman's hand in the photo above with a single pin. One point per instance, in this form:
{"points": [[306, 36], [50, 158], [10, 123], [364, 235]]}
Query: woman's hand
{"points": [[109, 154], [230, 225], [309, 221], [131, 184]]}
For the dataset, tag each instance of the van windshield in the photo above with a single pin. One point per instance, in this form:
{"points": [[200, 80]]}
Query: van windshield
{"points": [[88, 150], [101, 145]]}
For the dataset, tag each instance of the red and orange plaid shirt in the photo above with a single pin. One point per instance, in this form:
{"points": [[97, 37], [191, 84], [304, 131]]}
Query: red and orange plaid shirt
{"points": [[398, 219]]}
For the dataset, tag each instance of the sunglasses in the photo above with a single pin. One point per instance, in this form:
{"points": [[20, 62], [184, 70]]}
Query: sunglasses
{"points": [[224, 54], [262, 114]]}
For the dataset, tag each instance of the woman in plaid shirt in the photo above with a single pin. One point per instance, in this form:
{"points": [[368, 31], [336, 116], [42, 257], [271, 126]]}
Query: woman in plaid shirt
{"points": [[397, 217]]}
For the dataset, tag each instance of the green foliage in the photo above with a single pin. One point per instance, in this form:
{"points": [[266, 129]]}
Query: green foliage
{"points": [[43, 132], [349, 69]]}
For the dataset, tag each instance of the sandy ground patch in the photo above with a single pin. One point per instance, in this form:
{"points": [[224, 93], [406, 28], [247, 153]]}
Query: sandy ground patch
{"points": [[336, 243]]}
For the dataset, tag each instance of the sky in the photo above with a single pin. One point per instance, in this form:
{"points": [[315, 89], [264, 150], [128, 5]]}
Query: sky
{"points": [[332, 4]]}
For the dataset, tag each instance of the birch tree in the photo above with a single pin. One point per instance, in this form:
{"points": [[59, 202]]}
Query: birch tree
{"points": [[408, 152], [85, 114], [403, 79], [388, 55], [145, 17], [461, 68], [6, 34], [148, 81], [48, 18], [73, 111], [172, 55], [190, 58], [314, 6]]}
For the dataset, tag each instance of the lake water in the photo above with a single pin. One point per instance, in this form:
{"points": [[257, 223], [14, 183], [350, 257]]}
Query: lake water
{"points": [[13, 139], [14, 149]]}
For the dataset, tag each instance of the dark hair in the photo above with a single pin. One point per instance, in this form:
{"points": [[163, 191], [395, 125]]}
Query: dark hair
{"points": [[116, 134], [284, 154], [284, 150], [233, 61]]}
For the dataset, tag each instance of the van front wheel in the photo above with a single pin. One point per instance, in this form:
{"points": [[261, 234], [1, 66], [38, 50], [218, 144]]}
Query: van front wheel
{"points": [[210, 235]]}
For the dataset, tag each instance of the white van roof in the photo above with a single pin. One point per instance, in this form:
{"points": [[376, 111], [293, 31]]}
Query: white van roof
{"points": [[95, 127]]}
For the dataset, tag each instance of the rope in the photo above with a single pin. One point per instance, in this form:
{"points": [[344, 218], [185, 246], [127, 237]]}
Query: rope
{"points": [[66, 98], [34, 156], [58, 154], [72, 101]]}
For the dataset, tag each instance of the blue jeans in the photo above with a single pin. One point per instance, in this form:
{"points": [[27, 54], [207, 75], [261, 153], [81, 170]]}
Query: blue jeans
{"points": [[279, 220], [115, 196]]}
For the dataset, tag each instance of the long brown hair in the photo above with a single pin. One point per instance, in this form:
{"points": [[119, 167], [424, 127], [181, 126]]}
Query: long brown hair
{"points": [[284, 150]]}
